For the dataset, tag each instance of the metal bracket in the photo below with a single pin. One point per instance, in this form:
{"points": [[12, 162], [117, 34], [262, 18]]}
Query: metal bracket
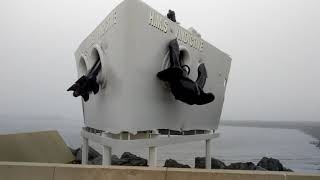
{"points": [[152, 143]]}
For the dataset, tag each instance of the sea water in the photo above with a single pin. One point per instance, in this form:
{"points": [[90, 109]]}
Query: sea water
{"points": [[235, 144]]}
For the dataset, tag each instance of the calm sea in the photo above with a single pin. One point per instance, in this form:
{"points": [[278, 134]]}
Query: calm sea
{"points": [[235, 144]]}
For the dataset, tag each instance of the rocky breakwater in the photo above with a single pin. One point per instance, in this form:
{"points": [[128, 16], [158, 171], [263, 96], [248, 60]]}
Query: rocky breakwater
{"points": [[129, 159], [95, 158], [200, 162], [174, 164], [265, 164], [272, 164], [316, 143]]}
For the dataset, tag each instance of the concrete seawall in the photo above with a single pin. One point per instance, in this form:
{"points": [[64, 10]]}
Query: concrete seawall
{"points": [[44, 171]]}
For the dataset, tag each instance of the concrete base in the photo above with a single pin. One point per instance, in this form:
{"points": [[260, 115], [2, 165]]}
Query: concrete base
{"points": [[43, 146], [150, 141], [42, 171]]}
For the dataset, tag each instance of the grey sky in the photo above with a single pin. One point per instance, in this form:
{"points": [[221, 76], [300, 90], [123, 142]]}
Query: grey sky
{"points": [[274, 44]]}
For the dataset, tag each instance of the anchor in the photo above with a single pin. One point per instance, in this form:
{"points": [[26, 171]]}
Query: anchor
{"points": [[87, 84], [182, 87]]}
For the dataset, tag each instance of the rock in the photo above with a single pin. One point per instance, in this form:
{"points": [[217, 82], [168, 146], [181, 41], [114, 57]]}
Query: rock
{"points": [[96, 161], [287, 169], [128, 159], [174, 164], [200, 162], [272, 164], [258, 168], [75, 162], [92, 154], [116, 161], [245, 166], [316, 143], [74, 151]]}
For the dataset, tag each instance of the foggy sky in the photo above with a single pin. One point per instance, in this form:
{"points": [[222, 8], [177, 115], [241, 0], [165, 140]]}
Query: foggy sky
{"points": [[274, 45]]}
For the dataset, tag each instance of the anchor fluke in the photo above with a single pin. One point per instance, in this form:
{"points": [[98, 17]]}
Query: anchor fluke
{"points": [[87, 83]]}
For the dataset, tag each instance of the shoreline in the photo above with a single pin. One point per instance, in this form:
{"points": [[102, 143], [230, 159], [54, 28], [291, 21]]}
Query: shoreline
{"points": [[308, 127]]}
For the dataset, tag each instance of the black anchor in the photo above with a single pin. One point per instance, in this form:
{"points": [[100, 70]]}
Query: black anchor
{"points": [[87, 83], [182, 87]]}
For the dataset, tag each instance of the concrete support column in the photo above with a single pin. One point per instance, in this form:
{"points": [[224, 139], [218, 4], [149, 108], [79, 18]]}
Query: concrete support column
{"points": [[208, 153], [106, 154], [85, 148], [152, 156]]}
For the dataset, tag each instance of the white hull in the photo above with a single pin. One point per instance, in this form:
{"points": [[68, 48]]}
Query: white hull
{"points": [[132, 43]]}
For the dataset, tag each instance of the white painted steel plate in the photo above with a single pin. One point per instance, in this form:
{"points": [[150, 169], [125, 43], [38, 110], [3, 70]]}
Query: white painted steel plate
{"points": [[132, 43]]}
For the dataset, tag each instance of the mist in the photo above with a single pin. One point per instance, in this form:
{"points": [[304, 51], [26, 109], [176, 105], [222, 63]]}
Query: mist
{"points": [[274, 46]]}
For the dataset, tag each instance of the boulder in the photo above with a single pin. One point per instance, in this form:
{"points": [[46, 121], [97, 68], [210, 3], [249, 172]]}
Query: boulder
{"points": [[116, 161], [174, 164], [272, 164], [128, 159], [244, 166], [96, 161], [92, 154], [316, 143], [74, 151], [200, 162], [287, 169], [258, 168]]}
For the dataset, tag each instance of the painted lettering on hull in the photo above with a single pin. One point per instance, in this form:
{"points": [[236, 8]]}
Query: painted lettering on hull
{"points": [[162, 23], [157, 21], [190, 39]]}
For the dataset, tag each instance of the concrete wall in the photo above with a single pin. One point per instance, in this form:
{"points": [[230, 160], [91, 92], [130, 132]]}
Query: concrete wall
{"points": [[42, 147], [42, 171]]}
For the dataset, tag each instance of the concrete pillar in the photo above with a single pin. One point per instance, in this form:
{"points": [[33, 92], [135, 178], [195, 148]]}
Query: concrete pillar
{"points": [[208, 153], [152, 156], [85, 148], [106, 154]]}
